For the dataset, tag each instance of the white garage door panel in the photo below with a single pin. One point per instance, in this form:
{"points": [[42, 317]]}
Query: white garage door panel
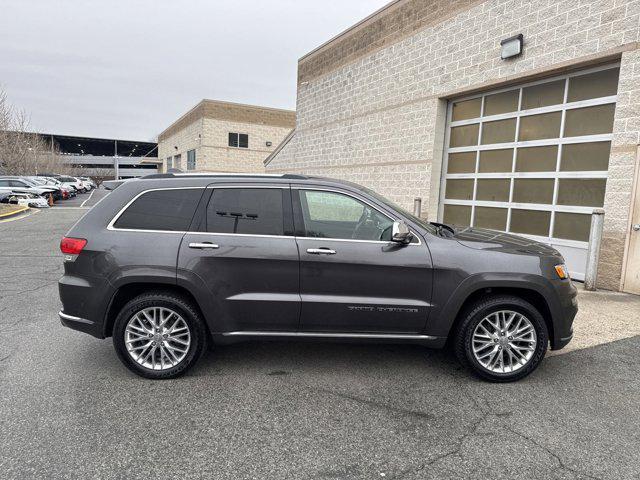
{"points": [[532, 159]]}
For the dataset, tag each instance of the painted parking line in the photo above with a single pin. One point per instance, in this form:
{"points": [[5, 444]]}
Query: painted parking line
{"points": [[25, 214], [14, 213], [71, 208], [90, 195]]}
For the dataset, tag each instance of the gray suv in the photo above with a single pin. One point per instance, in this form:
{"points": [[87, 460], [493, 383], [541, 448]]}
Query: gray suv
{"points": [[172, 263]]}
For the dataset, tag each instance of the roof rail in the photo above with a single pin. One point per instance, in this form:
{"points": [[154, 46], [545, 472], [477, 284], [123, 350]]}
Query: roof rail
{"points": [[290, 176]]}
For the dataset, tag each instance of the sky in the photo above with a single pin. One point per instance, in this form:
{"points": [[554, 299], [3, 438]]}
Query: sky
{"points": [[127, 69]]}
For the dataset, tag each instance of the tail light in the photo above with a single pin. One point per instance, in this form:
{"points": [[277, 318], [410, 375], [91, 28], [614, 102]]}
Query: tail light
{"points": [[72, 246]]}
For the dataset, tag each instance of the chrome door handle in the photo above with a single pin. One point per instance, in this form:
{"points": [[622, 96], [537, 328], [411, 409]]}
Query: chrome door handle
{"points": [[203, 245], [635, 227], [321, 251]]}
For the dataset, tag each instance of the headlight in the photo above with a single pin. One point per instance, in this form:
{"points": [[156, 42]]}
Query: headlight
{"points": [[562, 271]]}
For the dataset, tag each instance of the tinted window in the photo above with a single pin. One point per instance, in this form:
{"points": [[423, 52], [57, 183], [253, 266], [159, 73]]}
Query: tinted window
{"points": [[256, 211], [4, 183], [18, 183], [334, 215], [161, 210]]}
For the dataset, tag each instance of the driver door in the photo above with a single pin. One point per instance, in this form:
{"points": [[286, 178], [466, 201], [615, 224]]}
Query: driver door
{"points": [[352, 277]]}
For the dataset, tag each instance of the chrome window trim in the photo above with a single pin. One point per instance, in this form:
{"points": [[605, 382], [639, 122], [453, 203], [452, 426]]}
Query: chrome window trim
{"points": [[128, 204], [110, 226], [349, 194], [257, 235]]}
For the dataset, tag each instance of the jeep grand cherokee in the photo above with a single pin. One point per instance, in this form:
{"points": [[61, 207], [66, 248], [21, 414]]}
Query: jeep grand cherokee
{"points": [[171, 263]]}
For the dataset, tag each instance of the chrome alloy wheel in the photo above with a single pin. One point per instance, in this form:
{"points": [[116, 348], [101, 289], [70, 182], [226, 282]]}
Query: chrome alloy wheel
{"points": [[504, 341], [157, 338]]}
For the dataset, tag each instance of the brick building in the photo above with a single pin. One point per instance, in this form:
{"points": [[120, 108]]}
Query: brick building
{"points": [[416, 101], [223, 137]]}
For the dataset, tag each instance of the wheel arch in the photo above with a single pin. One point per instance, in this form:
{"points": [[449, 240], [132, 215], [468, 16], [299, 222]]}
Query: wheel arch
{"points": [[129, 291], [533, 297], [532, 290]]}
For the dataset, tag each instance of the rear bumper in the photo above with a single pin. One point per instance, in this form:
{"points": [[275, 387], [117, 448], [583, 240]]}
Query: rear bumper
{"points": [[84, 303], [80, 324]]}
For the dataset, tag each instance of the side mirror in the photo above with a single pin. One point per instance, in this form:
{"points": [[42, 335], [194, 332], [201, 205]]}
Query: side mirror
{"points": [[401, 233]]}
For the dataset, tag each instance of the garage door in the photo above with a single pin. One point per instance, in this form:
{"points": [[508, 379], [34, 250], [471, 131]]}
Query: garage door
{"points": [[532, 159]]}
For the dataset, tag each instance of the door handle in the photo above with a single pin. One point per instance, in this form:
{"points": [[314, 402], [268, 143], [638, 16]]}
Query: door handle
{"points": [[321, 251], [203, 245]]}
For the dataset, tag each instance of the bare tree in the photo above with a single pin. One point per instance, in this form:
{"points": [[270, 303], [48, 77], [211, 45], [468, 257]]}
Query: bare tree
{"points": [[23, 152], [99, 175]]}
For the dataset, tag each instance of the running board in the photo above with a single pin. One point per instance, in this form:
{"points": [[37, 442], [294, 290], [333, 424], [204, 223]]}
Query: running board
{"points": [[382, 336]]}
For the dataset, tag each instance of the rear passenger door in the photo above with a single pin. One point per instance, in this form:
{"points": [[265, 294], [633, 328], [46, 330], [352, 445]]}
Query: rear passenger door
{"points": [[243, 251]]}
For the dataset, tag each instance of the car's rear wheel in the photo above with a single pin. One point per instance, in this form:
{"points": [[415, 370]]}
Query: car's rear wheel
{"points": [[502, 338], [159, 335]]}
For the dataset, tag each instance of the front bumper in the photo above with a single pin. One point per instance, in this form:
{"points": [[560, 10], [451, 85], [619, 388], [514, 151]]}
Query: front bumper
{"points": [[563, 318]]}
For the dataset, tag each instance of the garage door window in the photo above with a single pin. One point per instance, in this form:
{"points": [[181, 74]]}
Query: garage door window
{"points": [[532, 159]]}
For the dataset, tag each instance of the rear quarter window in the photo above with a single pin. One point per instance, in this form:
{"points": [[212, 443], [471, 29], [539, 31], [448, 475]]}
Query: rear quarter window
{"points": [[169, 210]]}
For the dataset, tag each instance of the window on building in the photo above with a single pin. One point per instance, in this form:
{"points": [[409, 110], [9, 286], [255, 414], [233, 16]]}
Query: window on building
{"points": [[169, 162], [238, 140], [256, 211], [191, 160], [177, 161], [170, 210], [334, 215]]}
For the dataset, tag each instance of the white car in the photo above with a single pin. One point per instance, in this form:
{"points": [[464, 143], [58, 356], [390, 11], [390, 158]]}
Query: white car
{"points": [[67, 191], [22, 185], [89, 181], [74, 182], [26, 199]]}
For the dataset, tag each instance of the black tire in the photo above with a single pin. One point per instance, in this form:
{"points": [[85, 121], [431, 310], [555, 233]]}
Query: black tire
{"points": [[180, 305], [472, 316]]}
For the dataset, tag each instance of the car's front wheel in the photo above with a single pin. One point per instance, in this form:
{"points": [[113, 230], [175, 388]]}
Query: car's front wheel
{"points": [[159, 335], [502, 338]]}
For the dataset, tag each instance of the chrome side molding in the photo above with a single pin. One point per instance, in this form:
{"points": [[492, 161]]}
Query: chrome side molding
{"points": [[382, 336]]}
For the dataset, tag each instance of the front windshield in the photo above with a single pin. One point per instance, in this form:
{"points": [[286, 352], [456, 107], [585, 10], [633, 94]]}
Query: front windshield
{"points": [[424, 224]]}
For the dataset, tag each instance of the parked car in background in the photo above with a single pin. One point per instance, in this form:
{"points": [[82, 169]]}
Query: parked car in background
{"points": [[69, 189], [24, 199], [89, 181], [74, 182], [170, 263], [24, 185], [47, 183]]}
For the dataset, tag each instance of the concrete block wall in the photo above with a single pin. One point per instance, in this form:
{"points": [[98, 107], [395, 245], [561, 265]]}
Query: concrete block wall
{"points": [[215, 153], [380, 118], [206, 127], [187, 138]]}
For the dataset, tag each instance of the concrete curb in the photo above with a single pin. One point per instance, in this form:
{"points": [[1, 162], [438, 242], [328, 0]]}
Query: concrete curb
{"points": [[4, 216]]}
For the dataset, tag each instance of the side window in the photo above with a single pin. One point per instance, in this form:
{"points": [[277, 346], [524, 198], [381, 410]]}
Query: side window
{"points": [[256, 211], [335, 215], [4, 183], [17, 183], [170, 210]]}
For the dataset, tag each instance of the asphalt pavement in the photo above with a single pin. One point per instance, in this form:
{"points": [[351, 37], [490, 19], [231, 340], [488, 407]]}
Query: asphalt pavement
{"points": [[69, 409]]}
